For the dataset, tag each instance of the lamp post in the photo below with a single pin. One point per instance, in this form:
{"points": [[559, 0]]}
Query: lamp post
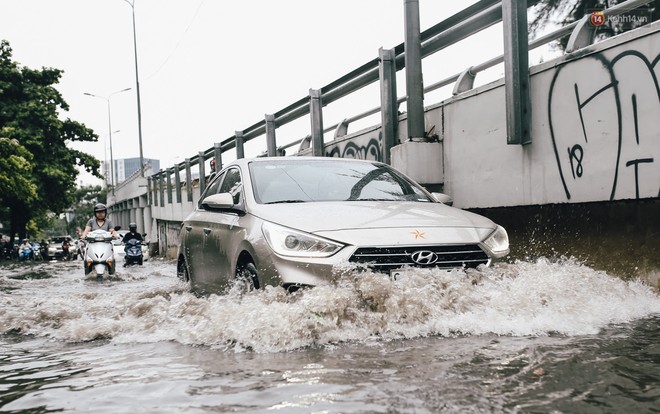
{"points": [[112, 162], [137, 87]]}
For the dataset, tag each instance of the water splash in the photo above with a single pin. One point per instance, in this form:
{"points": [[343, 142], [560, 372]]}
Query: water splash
{"points": [[544, 297]]}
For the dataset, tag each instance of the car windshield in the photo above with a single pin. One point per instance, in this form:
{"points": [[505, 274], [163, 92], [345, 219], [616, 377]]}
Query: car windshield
{"points": [[323, 180]]}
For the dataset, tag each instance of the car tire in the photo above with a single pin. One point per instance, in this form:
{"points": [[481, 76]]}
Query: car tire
{"points": [[247, 277], [182, 272]]}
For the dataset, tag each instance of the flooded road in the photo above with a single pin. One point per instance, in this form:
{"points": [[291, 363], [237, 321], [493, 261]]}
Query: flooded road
{"points": [[542, 337]]}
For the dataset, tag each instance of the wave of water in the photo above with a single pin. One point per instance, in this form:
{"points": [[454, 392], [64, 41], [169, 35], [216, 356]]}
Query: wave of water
{"points": [[148, 304]]}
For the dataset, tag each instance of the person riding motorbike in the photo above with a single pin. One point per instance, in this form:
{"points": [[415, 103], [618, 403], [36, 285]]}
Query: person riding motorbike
{"points": [[132, 233], [25, 250], [99, 221], [132, 246]]}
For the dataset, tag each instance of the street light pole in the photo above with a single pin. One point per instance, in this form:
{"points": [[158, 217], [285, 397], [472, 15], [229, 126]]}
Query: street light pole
{"points": [[112, 162], [137, 87]]}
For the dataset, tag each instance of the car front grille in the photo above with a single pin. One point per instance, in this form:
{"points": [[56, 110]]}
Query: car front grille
{"points": [[384, 259]]}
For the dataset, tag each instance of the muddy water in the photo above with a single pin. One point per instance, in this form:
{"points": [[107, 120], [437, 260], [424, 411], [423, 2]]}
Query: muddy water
{"points": [[526, 337]]}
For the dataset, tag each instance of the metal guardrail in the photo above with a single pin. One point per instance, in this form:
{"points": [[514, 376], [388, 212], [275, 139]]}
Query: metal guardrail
{"points": [[461, 25]]}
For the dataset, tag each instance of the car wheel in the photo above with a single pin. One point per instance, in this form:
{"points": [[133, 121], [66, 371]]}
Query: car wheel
{"points": [[246, 277], [182, 272]]}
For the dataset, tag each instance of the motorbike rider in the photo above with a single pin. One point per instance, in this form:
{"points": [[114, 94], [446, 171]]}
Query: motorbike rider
{"points": [[99, 221], [25, 250], [132, 234]]}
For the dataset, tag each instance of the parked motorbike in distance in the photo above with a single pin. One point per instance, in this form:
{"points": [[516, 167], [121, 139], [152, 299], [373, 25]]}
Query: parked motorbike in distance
{"points": [[99, 255], [133, 249]]}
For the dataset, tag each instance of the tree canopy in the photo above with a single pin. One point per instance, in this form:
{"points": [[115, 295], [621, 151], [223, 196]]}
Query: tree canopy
{"points": [[39, 171]]}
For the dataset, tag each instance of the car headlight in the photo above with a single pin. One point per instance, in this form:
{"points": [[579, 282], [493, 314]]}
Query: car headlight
{"points": [[497, 243], [288, 242]]}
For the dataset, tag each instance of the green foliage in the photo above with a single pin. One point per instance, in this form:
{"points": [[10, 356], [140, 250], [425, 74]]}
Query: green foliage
{"points": [[38, 174]]}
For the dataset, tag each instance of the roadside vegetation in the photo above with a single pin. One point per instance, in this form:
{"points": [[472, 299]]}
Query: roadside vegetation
{"points": [[38, 169]]}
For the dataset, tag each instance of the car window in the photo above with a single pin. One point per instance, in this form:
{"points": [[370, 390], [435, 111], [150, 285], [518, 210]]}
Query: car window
{"points": [[293, 182], [211, 189], [232, 184]]}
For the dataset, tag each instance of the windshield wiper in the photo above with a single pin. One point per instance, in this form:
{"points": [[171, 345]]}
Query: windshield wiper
{"points": [[286, 201], [376, 199]]}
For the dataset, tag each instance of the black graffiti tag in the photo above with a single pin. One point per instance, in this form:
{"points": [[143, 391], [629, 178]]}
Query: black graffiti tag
{"points": [[576, 154]]}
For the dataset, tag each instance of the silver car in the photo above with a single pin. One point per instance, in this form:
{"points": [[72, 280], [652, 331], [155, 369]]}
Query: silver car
{"points": [[293, 221]]}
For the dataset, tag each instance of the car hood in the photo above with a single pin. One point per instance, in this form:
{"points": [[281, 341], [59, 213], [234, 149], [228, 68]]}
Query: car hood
{"points": [[381, 223]]}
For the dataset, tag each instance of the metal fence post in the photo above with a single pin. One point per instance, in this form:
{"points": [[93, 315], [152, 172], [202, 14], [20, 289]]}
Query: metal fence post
{"points": [[516, 72], [202, 172], [316, 115], [240, 151], [271, 144], [149, 196], [414, 82], [189, 180], [388, 101], [177, 183], [168, 177], [217, 153], [161, 188]]}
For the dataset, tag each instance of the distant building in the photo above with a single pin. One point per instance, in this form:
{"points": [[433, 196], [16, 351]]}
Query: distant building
{"points": [[126, 167]]}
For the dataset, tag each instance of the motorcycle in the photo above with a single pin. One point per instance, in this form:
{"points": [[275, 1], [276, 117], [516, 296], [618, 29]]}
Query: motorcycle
{"points": [[133, 249], [25, 254], [99, 255]]}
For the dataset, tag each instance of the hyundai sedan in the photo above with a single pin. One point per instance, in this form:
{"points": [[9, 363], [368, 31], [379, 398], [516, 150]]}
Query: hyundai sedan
{"points": [[293, 221]]}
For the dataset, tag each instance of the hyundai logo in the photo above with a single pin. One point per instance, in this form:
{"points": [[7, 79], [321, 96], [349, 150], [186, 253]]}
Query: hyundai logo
{"points": [[424, 257]]}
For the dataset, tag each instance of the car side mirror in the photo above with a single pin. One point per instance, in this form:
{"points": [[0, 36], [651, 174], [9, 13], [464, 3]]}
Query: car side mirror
{"points": [[443, 198], [218, 201]]}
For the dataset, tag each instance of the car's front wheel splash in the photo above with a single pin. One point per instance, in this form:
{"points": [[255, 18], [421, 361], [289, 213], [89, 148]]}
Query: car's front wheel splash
{"points": [[246, 279]]}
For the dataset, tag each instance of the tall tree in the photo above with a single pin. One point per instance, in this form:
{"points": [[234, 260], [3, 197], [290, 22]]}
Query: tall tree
{"points": [[44, 179], [564, 12]]}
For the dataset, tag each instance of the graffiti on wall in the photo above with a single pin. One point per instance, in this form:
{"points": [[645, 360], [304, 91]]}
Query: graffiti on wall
{"points": [[604, 118], [365, 147]]}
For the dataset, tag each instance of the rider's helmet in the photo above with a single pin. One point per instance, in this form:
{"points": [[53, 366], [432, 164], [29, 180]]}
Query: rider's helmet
{"points": [[132, 227], [100, 207]]}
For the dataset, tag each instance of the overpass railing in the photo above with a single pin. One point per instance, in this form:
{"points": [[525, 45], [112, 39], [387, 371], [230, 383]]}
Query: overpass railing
{"points": [[473, 19]]}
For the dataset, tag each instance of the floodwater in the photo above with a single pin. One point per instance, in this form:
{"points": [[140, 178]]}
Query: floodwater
{"points": [[552, 336]]}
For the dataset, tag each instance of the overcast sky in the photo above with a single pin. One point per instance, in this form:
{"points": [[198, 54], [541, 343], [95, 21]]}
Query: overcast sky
{"points": [[210, 67]]}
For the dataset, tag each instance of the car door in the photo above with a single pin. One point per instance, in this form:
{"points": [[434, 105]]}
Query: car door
{"points": [[223, 232], [194, 238]]}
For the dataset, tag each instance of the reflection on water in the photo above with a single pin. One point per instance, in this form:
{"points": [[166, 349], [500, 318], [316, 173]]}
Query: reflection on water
{"points": [[524, 337]]}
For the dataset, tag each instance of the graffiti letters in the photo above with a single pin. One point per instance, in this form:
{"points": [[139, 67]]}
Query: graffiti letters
{"points": [[364, 148], [610, 129]]}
